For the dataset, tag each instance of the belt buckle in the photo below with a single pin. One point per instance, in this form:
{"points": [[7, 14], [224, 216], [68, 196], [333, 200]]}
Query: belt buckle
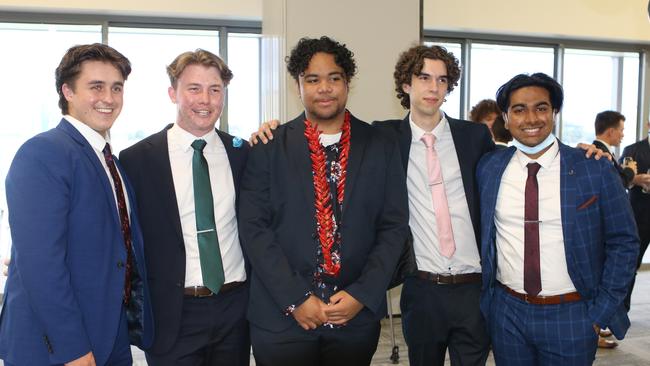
{"points": [[196, 292], [526, 299]]}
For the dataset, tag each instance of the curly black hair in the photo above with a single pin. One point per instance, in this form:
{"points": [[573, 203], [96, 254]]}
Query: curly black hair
{"points": [[411, 62], [301, 54]]}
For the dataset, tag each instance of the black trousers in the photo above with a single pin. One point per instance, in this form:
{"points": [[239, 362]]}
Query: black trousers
{"points": [[349, 345], [440, 317], [214, 331], [644, 236]]}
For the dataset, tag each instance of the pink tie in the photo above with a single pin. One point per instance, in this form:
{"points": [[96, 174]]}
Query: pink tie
{"points": [[440, 206]]}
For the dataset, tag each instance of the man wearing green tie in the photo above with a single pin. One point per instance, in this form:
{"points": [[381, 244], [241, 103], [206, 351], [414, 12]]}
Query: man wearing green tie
{"points": [[186, 179]]}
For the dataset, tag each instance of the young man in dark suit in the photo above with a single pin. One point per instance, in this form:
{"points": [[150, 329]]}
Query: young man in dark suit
{"points": [[323, 219], [77, 287], [609, 126], [440, 298], [546, 297], [186, 178]]}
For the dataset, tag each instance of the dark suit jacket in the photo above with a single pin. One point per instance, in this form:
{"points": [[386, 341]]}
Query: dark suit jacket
{"points": [[640, 152], [147, 164], [600, 238], [277, 224], [626, 174], [472, 140], [63, 296]]}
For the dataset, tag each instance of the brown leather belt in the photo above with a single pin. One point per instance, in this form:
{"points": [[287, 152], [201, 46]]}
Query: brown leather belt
{"points": [[449, 279], [202, 291], [543, 300]]}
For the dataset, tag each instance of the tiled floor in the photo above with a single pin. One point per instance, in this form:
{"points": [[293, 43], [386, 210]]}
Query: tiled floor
{"points": [[633, 351]]}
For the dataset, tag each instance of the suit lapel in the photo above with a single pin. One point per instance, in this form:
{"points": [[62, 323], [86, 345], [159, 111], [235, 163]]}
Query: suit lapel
{"points": [[492, 183], [233, 158], [91, 155], [159, 166], [299, 160], [464, 161], [567, 196], [358, 141], [405, 136]]}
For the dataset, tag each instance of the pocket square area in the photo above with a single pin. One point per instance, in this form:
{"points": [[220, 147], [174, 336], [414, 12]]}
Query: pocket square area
{"points": [[588, 202]]}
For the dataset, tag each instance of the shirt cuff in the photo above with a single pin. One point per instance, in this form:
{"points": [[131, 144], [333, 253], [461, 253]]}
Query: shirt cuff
{"points": [[291, 308]]}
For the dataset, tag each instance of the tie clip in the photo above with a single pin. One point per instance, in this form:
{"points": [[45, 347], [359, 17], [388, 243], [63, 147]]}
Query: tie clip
{"points": [[532, 221], [435, 183], [204, 231]]}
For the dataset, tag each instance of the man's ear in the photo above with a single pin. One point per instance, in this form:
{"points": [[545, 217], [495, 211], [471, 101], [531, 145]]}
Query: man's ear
{"points": [[406, 88], [67, 91], [172, 94], [505, 120]]}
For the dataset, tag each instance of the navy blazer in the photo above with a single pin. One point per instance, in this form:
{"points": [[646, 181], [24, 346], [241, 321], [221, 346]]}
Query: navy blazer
{"points": [[63, 296], [147, 164], [471, 140], [600, 239], [626, 174], [277, 224]]}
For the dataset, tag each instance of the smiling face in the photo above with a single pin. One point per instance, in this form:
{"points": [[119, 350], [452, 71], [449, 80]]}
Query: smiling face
{"points": [[530, 116], [199, 97], [428, 90], [323, 89], [95, 97]]}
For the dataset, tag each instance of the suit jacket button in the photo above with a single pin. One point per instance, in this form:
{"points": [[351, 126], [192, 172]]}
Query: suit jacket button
{"points": [[180, 284], [120, 264]]}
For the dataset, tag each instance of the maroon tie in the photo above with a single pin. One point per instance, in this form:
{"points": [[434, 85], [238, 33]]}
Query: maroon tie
{"points": [[532, 277], [124, 220]]}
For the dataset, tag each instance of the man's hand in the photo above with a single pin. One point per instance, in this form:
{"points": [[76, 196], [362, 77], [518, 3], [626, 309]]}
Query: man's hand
{"points": [[592, 151], [342, 308], [310, 314], [5, 269], [265, 132], [86, 360], [642, 180]]}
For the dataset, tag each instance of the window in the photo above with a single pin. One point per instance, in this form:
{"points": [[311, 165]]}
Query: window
{"points": [[147, 107], [595, 81], [492, 65], [244, 90]]}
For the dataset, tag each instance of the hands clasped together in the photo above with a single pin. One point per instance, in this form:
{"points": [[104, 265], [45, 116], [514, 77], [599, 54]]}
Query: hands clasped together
{"points": [[314, 312]]}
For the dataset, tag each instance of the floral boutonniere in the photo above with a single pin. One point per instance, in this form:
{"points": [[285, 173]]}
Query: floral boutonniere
{"points": [[237, 142]]}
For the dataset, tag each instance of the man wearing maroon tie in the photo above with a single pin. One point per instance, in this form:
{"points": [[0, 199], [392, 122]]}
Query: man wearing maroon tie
{"points": [[558, 237]]}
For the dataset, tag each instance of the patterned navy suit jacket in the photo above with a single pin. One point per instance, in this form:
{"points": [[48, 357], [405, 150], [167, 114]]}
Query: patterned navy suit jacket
{"points": [[600, 239]]}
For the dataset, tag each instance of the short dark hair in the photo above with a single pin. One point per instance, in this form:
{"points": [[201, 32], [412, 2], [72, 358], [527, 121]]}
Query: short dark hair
{"points": [[301, 54], [499, 130], [607, 119], [411, 62], [70, 66], [482, 109], [556, 94], [198, 57]]}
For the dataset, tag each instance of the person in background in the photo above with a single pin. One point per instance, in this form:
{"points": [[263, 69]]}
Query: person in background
{"points": [[485, 111], [500, 133]]}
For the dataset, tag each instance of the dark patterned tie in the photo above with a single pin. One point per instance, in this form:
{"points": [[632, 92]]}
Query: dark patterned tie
{"points": [[206, 231], [124, 220], [532, 277]]}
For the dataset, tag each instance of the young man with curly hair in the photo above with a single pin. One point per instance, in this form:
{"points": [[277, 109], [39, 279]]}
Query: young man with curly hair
{"points": [[323, 219], [440, 299]]}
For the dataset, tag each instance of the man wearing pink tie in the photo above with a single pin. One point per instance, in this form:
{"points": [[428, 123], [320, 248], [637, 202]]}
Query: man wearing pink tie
{"points": [[440, 298]]}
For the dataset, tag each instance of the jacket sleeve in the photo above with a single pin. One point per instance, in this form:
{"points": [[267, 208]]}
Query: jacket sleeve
{"points": [[391, 233], [39, 186]]}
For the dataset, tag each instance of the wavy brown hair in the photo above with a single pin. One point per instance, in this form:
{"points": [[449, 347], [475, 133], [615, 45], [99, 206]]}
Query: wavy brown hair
{"points": [[411, 62], [198, 57]]}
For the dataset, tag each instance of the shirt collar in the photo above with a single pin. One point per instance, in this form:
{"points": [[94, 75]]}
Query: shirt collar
{"points": [[545, 160], [608, 146], [185, 139], [94, 138], [417, 132]]}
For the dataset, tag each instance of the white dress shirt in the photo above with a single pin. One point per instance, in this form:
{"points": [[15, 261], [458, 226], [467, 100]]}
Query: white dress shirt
{"points": [[421, 215], [509, 221], [98, 142], [223, 193]]}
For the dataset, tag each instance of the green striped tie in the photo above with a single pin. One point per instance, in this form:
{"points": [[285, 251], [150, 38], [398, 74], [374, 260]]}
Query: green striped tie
{"points": [[211, 265]]}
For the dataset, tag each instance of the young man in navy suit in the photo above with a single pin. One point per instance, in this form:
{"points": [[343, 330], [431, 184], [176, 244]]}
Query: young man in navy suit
{"points": [[77, 287], [546, 297], [187, 182], [323, 220]]}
